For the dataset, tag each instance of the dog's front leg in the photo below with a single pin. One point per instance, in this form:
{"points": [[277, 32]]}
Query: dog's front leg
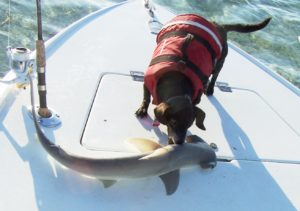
{"points": [[142, 111]]}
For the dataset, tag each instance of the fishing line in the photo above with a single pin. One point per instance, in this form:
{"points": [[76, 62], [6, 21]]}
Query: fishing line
{"points": [[9, 23]]}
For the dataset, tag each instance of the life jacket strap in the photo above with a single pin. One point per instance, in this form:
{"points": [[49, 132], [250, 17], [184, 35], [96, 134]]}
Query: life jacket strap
{"points": [[178, 59], [199, 39], [197, 25]]}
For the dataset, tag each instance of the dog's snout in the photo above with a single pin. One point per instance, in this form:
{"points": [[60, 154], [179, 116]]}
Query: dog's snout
{"points": [[176, 135], [177, 138]]}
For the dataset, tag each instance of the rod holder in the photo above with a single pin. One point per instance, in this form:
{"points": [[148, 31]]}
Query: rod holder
{"points": [[52, 121]]}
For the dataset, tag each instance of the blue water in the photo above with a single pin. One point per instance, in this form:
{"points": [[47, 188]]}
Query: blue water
{"points": [[277, 46]]}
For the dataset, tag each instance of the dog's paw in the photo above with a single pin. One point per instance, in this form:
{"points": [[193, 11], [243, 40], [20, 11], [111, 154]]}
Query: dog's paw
{"points": [[141, 112]]}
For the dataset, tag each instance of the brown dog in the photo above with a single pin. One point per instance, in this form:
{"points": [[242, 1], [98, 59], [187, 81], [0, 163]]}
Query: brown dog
{"points": [[189, 50]]}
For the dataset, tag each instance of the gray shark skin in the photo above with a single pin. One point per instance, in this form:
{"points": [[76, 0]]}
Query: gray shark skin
{"points": [[154, 160]]}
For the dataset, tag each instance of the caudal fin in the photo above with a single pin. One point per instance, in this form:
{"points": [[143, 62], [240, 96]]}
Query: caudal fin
{"points": [[246, 28]]}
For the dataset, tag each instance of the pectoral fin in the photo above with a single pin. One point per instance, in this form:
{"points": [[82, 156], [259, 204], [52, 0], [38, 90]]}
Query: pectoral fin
{"points": [[171, 181], [107, 183], [143, 145]]}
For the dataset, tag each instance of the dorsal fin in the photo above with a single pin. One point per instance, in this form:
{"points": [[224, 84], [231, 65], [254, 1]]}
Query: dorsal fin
{"points": [[143, 145]]}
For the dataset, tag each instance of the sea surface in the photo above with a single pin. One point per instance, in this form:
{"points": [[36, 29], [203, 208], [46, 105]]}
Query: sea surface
{"points": [[277, 46]]}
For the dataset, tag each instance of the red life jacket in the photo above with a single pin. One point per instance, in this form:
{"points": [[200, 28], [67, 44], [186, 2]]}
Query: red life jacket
{"points": [[189, 44]]}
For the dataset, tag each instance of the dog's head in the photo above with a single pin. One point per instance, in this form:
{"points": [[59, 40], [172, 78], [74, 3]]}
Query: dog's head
{"points": [[178, 114]]}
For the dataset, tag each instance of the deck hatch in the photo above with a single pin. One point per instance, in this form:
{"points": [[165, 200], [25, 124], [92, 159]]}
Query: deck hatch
{"points": [[112, 119]]}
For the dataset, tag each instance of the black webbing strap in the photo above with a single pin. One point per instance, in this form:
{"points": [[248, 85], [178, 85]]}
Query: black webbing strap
{"points": [[177, 59], [199, 39], [197, 71], [166, 58]]}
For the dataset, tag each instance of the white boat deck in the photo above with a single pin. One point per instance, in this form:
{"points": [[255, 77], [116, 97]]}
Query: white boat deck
{"points": [[256, 126]]}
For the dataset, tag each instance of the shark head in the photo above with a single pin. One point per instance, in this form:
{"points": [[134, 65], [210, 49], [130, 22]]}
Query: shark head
{"points": [[194, 151], [203, 151], [171, 158]]}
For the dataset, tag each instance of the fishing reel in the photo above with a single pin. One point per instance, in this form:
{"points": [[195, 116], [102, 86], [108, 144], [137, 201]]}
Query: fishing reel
{"points": [[21, 64]]}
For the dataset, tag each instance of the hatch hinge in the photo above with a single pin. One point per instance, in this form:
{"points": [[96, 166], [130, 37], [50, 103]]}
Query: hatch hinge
{"points": [[137, 75], [223, 86]]}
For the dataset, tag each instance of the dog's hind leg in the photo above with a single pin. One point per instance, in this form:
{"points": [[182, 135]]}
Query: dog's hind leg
{"points": [[211, 84]]}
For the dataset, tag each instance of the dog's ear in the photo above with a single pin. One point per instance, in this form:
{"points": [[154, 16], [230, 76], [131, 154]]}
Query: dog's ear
{"points": [[200, 116], [160, 112]]}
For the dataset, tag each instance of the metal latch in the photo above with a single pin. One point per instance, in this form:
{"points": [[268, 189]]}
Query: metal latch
{"points": [[137, 75], [223, 86]]}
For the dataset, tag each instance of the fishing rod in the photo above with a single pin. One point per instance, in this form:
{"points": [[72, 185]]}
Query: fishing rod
{"points": [[41, 65], [47, 117]]}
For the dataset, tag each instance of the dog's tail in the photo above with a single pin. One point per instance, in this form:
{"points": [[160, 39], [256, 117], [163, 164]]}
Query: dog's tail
{"points": [[246, 28]]}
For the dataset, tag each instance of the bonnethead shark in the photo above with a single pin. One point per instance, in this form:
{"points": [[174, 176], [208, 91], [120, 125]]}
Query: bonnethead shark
{"points": [[154, 160]]}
